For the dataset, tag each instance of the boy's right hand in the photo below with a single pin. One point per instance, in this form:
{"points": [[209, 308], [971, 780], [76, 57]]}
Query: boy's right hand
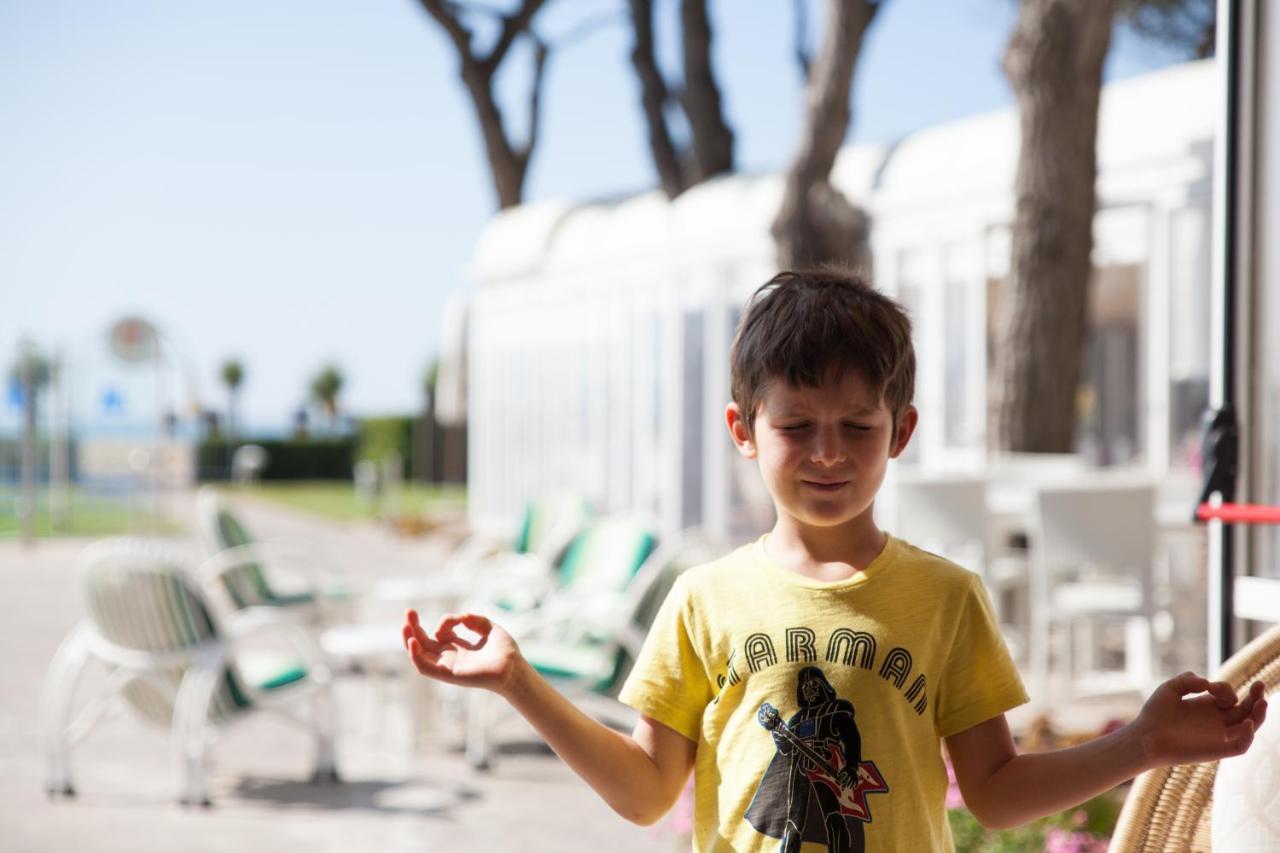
{"points": [[488, 662]]}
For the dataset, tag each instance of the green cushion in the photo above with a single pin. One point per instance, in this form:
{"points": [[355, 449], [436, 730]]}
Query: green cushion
{"points": [[526, 530], [247, 584], [589, 662], [606, 555], [291, 600], [268, 670], [280, 679]]}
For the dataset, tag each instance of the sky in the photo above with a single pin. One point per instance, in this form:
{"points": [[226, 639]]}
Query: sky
{"points": [[295, 184]]}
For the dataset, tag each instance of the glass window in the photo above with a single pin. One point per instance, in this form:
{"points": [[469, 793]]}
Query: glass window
{"points": [[692, 422], [955, 345], [910, 296], [1190, 318], [1108, 400]]}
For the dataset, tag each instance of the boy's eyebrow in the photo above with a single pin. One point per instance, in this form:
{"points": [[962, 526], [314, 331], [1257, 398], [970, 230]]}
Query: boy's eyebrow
{"points": [[785, 410]]}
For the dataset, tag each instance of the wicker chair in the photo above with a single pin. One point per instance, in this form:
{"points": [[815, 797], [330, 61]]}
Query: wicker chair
{"points": [[1170, 808]]}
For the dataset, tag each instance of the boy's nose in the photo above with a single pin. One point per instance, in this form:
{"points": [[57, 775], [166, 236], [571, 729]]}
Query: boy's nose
{"points": [[827, 448]]}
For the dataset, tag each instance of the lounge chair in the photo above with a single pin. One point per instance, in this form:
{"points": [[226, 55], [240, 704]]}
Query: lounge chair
{"points": [[515, 570], [237, 565], [171, 661], [585, 637]]}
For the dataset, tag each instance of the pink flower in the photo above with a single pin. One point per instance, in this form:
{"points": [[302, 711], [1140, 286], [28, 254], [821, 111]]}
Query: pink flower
{"points": [[955, 800], [1065, 841], [682, 813]]}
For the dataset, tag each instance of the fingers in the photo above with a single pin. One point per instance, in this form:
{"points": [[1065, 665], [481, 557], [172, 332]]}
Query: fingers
{"points": [[472, 622], [1240, 736], [1222, 694], [1247, 706], [1188, 682], [411, 626], [445, 638], [425, 665], [1258, 693], [413, 630]]}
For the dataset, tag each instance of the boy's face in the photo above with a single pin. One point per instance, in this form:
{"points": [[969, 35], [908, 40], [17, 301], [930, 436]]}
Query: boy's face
{"points": [[822, 451]]}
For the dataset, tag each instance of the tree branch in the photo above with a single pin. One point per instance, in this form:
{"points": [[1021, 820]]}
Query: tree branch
{"points": [[508, 163], [800, 48], [540, 53], [452, 25], [712, 138], [815, 223], [512, 26], [654, 97]]}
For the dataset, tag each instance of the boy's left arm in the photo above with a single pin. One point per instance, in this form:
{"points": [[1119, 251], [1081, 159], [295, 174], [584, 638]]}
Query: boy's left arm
{"points": [[1004, 789]]}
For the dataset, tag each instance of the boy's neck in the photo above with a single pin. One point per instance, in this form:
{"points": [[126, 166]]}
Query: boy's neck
{"points": [[826, 553]]}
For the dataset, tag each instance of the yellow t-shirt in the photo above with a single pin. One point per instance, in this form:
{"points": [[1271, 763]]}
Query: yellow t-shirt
{"points": [[869, 672]]}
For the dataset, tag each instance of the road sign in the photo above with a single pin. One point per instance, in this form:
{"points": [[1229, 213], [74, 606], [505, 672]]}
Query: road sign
{"points": [[133, 339]]}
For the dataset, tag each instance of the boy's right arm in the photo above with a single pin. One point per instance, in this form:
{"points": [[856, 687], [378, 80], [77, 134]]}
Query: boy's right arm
{"points": [[639, 775]]}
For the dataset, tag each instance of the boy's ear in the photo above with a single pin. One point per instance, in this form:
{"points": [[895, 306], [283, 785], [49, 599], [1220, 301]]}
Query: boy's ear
{"points": [[738, 430], [906, 428]]}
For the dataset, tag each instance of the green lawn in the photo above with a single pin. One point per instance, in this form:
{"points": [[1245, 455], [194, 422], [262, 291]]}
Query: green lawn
{"points": [[337, 499], [89, 516]]}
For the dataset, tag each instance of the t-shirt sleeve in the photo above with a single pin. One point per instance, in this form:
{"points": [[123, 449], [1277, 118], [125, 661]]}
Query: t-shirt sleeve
{"points": [[980, 680], [669, 681]]}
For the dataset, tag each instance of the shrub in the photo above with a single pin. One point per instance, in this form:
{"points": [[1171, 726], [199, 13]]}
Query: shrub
{"points": [[379, 437]]}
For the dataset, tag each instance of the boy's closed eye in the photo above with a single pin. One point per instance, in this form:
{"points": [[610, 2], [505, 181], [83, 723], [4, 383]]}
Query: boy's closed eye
{"points": [[795, 428]]}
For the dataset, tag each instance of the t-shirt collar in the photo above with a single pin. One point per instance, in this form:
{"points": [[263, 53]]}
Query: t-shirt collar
{"points": [[876, 567]]}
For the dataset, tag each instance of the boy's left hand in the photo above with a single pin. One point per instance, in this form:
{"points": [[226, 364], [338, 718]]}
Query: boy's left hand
{"points": [[1176, 727]]}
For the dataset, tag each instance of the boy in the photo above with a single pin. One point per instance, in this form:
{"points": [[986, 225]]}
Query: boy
{"points": [[810, 679]]}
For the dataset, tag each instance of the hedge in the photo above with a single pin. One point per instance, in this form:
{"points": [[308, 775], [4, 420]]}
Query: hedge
{"points": [[303, 459]]}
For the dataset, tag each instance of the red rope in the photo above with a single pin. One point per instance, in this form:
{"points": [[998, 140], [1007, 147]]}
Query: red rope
{"points": [[1239, 513]]}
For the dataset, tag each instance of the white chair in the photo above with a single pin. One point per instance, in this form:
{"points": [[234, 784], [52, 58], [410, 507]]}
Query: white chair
{"points": [[947, 514], [1093, 553], [171, 661], [1013, 479]]}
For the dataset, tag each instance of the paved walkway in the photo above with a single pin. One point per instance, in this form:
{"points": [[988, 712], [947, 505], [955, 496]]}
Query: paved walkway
{"points": [[394, 797], [403, 790]]}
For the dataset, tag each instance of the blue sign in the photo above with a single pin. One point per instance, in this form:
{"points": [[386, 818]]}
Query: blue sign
{"points": [[112, 401], [17, 399]]}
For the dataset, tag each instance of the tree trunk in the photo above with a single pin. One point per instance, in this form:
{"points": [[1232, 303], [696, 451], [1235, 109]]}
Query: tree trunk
{"points": [[712, 138], [653, 99], [1054, 63], [815, 223], [508, 161]]}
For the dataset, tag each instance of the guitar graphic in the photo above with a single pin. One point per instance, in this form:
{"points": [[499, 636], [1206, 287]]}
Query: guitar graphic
{"points": [[827, 770]]}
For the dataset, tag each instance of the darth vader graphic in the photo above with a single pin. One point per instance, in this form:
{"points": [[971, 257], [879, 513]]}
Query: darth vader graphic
{"points": [[815, 788]]}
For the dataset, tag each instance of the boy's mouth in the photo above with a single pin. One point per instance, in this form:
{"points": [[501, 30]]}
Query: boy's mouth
{"points": [[826, 485]]}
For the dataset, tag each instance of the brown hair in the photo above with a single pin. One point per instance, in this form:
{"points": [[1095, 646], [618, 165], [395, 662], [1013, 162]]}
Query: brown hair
{"points": [[802, 326]]}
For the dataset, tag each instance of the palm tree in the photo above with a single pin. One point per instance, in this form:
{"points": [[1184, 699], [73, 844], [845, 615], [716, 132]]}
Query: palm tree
{"points": [[232, 376], [31, 373], [324, 390]]}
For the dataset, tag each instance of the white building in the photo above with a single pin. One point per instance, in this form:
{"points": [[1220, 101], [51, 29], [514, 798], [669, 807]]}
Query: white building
{"points": [[598, 333]]}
